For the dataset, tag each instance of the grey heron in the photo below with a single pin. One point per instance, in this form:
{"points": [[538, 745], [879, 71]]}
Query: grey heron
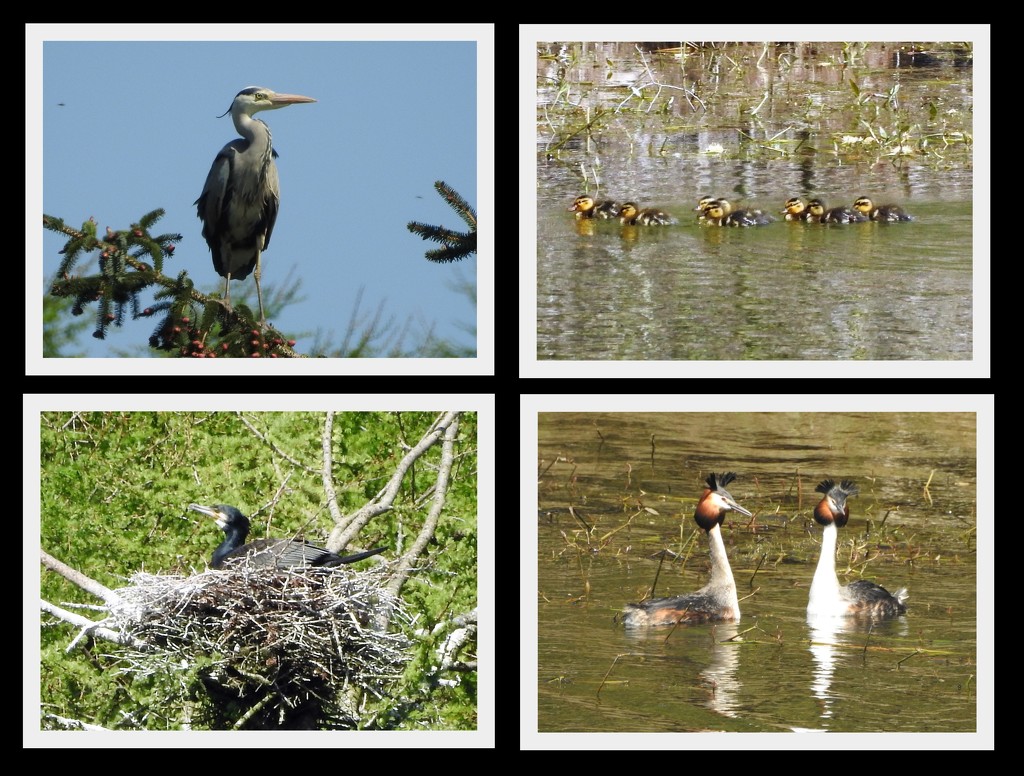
{"points": [[238, 206]]}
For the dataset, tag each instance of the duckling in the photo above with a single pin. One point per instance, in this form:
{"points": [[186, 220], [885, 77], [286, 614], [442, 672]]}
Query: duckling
{"points": [[746, 216], [705, 201], [720, 213], [837, 215], [726, 205], [631, 216], [750, 218], [796, 210], [882, 212], [586, 207]]}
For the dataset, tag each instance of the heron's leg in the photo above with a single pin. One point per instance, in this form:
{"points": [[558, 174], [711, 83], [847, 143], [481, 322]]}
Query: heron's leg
{"points": [[259, 293], [227, 291]]}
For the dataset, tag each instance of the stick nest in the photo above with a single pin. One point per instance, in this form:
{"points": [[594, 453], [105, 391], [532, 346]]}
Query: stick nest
{"points": [[272, 648]]}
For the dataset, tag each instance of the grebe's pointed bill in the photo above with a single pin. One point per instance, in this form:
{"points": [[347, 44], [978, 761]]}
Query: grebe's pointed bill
{"points": [[730, 504], [720, 496]]}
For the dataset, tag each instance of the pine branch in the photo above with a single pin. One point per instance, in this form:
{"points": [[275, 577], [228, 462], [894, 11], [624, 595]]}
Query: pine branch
{"points": [[123, 275], [457, 245]]}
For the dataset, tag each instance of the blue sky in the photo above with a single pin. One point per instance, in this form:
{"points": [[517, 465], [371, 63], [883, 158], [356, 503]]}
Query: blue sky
{"points": [[138, 130]]}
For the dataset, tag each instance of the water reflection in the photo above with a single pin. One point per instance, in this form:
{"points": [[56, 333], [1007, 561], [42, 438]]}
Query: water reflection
{"points": [[718, 680], [870, 291], [836, 641]]}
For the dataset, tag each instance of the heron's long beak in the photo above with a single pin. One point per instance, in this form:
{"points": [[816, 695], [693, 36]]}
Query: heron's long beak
{"points": [[280, 100]]}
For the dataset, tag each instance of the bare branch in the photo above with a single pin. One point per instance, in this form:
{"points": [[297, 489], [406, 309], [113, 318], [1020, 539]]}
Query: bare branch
{"points": [[77, 577], [383, 500], [90, 628], [450, 426], [71, 724], [327, 458]]}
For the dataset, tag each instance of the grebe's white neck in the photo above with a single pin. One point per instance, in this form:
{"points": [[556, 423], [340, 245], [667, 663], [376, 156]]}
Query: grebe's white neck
{"points": [[722, 586], [825, 597]]}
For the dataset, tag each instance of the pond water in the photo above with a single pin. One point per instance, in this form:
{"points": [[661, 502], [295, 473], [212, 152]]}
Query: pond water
{"points": [[757, 125], [616, 489]]}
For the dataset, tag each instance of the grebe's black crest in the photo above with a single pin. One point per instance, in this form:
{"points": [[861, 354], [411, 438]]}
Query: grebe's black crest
{"points": [[716, 501], [833, 508], [846, 487], [722, 479]]}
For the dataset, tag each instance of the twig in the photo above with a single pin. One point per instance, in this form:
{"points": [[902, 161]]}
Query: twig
{"points": [[916, 652]]}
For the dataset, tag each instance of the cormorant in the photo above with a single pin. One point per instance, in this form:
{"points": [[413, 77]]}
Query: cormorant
{"points": [[267, 553]]}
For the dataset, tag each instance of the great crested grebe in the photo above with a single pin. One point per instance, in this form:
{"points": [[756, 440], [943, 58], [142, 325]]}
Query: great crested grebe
{"points": [[859, 598], [717, 599]]}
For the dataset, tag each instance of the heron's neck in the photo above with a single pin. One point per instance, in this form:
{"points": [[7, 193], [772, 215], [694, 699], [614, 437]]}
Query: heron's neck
{"points": [[253, 130]]}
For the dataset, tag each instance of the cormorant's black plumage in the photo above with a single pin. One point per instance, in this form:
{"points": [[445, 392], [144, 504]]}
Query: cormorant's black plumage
{"points": [[267, 553]]}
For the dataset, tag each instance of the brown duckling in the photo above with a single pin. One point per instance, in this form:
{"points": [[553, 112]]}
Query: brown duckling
{"points": [[586, 207], [630, 215], [726, 205], [882, 212], [705, 201], [796, 210], [719, 212], [837, 215]]}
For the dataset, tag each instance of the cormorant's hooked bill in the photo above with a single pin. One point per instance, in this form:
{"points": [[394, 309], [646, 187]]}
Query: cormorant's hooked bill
{"points": [[267, 553]]}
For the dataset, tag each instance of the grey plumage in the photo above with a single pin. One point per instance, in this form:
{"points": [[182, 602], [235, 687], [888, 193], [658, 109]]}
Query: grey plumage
{"points": [[241, 197]]}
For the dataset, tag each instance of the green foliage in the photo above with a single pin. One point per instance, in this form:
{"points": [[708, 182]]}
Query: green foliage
{"points": [[455, 245], [58, 332], [195, 325], [122, 272], [115, 486]]}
